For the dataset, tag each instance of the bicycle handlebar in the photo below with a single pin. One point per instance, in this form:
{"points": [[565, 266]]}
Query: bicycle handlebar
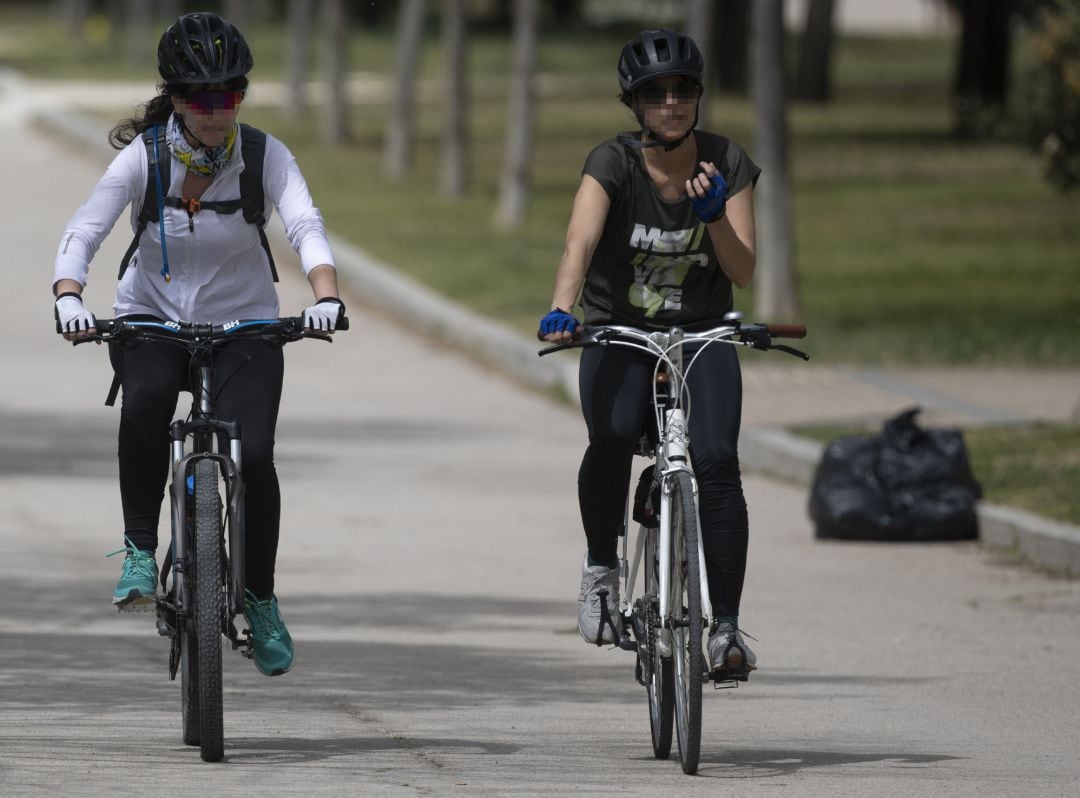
{"points": [[289, 328], [786, 330], [756, 336]]}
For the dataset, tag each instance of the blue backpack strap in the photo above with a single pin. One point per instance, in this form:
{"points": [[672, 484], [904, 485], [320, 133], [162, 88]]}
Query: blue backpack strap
{"points": [[149, 211]]}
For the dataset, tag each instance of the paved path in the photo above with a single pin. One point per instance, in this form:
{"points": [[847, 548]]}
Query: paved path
{"points": [[428, 572]]}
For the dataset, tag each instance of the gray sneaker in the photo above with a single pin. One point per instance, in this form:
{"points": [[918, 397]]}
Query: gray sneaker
{"points": [[593, 625], [728, 653]]}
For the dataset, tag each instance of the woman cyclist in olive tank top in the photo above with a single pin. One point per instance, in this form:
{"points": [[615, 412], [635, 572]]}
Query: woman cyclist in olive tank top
{"points": [[661, 232]]}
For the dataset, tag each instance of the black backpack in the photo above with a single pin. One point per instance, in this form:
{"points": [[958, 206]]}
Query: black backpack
{"points": [[251, 201]]}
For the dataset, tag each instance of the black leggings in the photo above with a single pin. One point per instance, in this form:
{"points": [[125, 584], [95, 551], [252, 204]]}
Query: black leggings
{"points": [[616, 388], [248, 379]]}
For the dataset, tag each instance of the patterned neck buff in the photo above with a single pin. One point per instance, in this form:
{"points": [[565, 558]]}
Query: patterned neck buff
{"points": [[200, 161]]}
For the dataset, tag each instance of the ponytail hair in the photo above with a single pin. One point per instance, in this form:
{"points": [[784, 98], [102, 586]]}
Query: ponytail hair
{"points": [[154, 112]]}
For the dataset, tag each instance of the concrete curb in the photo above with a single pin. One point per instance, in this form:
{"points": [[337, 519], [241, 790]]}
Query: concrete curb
{"points": [[1051, 544], [768, 450], [433, 314]]}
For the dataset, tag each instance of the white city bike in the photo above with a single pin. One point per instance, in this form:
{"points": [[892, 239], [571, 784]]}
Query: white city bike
{"points": [[665, 623]]}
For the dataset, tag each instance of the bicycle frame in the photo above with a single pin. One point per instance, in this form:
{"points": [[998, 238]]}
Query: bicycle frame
{"points": [[672, 456], [672, 420], [202, 429]]}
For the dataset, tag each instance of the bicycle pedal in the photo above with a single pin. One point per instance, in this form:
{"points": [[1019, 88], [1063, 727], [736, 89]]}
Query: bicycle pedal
{"points": [[726, 684], [724, 679], [245, 645]]}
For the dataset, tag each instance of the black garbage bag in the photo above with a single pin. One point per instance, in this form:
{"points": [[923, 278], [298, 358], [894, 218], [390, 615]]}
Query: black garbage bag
{"points": [[906, 483]]}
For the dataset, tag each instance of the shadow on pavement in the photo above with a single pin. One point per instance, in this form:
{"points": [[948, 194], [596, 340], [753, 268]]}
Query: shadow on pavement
{"points": [[765, 762], [292, 750]]}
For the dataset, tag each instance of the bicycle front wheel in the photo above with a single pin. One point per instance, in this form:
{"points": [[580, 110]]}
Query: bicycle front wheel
{"points": [[189, 685], [207, 597], [189, 646], [660, 686], [686, 621]]}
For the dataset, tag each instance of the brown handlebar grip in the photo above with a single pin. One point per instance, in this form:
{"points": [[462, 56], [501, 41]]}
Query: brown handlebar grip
{"points": [[786, 330]]}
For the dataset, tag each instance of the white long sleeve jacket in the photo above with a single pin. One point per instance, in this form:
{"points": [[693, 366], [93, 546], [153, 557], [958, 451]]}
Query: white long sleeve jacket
{"points": [[218, 268]]}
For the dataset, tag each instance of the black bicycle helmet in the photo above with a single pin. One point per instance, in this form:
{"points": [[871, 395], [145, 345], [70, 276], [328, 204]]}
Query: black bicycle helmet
{"points": [[202, 48], [657, 53]]}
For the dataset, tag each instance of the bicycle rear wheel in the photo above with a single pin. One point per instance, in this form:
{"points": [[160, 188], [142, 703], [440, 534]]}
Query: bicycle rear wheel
{"points": [[687, 622], [660, 686], [207, 597]]}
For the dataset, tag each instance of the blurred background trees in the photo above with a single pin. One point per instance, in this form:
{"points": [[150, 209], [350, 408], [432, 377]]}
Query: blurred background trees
{"points": [[980, 93], [898, 166]]}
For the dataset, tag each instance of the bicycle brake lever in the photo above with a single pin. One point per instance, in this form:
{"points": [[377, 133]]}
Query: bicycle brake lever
{"points": [[600, 339], [790, 350]]}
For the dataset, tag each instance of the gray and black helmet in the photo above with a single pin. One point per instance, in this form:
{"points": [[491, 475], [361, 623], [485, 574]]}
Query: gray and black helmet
{"points": [[654, 54], [202, 48]]}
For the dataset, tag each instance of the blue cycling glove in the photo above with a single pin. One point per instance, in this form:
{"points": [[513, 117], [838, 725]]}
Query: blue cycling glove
{"points": [[711, 207], [557, 321]]}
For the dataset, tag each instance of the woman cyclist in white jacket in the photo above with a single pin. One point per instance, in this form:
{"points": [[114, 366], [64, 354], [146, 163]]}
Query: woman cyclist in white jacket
{"points": [[211, 268]]}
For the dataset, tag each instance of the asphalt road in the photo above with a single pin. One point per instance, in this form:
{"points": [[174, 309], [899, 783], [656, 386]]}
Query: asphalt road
{"points": [[429, 571]]}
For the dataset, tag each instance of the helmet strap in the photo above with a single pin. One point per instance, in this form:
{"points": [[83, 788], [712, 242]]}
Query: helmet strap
{"points": [[652, 139], [189, 132]]}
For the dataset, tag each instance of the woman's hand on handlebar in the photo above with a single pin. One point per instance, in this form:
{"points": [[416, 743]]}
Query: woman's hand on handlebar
{"points": [[558, 327], [73, 320], [324, 315]]}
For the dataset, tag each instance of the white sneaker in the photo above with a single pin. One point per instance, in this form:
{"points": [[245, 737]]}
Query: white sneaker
{"points": [[728, 652], [599, 581]]}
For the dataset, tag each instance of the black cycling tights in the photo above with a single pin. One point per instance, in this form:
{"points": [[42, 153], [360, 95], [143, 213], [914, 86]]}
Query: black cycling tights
{"points": [[248, 380], [616, 387]]}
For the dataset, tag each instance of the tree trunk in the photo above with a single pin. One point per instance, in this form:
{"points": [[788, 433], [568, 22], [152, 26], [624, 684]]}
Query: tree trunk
{"points": [[455, 138], [300, 12], [981, 86], [141, 42], [566, 12], [237, 12], [731, 34], [699, 27], [169, 11], [812, 78], [514, 193], [336, 24], [776, 296], [397, 155], [73, 13]]}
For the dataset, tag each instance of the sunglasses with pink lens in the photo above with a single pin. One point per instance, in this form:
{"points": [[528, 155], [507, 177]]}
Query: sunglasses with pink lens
{"points": [[212, 100]]}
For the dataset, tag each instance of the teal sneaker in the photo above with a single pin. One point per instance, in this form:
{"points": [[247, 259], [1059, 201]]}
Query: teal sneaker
{"points": [[271, 643], [137, 588]]}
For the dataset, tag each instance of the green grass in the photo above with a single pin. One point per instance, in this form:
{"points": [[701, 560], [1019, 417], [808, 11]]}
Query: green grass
{"points": [[912, 247], [1034, 467]]}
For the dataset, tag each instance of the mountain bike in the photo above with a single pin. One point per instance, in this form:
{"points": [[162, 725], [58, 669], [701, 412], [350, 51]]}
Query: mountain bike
{"points": [[202, 576], [665, 624]]}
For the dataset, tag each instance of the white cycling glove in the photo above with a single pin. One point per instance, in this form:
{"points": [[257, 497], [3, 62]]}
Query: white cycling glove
{"points": [[72, 314], [324, 314]]}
